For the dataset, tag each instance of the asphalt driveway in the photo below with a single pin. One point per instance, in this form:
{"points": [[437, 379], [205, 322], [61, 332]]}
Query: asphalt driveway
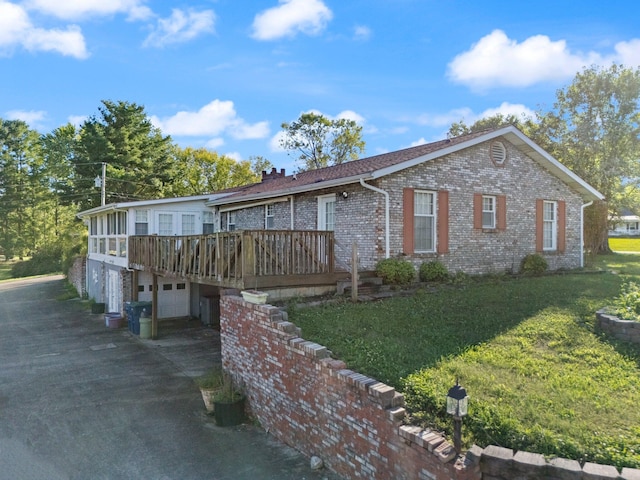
{"points": [[82, 401]]}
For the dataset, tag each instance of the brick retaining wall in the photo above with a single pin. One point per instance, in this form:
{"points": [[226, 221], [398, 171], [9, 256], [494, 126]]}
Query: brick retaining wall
{"points": [[310, 401], [354, 423], [77, 275]]}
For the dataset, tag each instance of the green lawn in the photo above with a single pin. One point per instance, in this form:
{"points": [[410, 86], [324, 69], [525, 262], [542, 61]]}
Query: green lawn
{"points": [[624, 244], [540, 376]]}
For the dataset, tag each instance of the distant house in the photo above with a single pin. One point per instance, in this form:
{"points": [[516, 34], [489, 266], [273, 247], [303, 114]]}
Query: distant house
{"points": [[477, 203], [627, 223]]}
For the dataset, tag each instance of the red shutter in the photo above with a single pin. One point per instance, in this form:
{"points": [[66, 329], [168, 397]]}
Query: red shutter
{"points": [[562, 226], [501, 201], [443, 221], [477, 211], [539, 225], [407, 229]]}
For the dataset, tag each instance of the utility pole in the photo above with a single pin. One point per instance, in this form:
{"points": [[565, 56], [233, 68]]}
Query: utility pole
{"points": [[103, 196]]}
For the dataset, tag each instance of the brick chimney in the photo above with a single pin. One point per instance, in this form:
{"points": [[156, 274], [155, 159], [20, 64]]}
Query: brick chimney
{"points": [[273, 174]]}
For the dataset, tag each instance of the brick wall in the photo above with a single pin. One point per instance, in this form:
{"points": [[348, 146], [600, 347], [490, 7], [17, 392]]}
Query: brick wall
{"points": [[361, 216], [313, 403], [77, 275]]}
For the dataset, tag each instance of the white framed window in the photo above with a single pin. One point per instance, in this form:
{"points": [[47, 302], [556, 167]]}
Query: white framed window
{"points": [[424, 221], [93, 227], [549, 225], [488, 211], [188, 224], [327, 212], [165, 224], [207, 222], [269, 216], [231, 221], [142, 222]]}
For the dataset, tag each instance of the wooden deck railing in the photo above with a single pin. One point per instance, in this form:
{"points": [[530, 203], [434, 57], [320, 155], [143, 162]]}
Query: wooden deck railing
{"points": [[241, 259]]}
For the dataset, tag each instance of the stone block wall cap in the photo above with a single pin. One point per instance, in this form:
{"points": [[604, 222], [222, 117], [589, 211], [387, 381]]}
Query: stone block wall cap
{"points": [[529, 459], [498, 452], [565, 464], [600, 472], [474, 454], [630, 474]]}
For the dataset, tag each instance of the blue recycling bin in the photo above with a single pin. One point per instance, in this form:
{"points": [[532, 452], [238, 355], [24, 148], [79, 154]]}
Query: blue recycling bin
{"points": [[133, 311]]}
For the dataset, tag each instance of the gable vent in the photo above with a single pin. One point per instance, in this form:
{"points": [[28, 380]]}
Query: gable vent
{"points": [[498, 153]]}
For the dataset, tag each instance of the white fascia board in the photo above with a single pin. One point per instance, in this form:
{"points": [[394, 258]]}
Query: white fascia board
{"points": [[146, 203], [265, 197]]}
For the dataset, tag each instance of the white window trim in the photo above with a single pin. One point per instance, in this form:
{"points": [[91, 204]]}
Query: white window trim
{"points": [[554, 227], [433, 216], [269, 213], [229, 223], [492, 212]]}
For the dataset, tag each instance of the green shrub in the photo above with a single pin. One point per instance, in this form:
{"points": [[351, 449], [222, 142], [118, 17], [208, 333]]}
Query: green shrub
{"points": [[627, 304], [47, 260], [534, 263], [433, 272], [395, 271]]}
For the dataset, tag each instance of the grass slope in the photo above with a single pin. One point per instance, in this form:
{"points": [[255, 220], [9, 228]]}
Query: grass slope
{"points": [[540, 376]]}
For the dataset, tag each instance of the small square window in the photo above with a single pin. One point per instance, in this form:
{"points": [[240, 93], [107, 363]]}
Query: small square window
{"points": [[141, 288], [167, 286], [181, 286]]}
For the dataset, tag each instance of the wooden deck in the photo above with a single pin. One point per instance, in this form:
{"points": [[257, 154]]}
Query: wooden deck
{"points": [[240, 259]]}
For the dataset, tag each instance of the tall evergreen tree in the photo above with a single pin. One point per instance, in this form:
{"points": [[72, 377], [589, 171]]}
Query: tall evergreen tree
{"points": [[139, 160]]}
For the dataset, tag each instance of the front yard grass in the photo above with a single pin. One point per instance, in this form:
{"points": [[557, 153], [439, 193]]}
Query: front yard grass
{"points": [[540, 376]]}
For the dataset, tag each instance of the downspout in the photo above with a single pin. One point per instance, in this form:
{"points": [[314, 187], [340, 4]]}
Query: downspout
{"points": [[386, 214], [582, 232], [292, 209]]}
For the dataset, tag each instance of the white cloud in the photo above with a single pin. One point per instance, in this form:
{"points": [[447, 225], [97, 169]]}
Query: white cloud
{"points": [[469, 117], [235, 155], [214, 119], [361, 32], [31, 117], [628, 53], [496, 60], [181, 27], [77, 120], [444, 119], [274, 143], [517, 109], [351, 115], [420, 141], [77, 9], [214, 143], [291, 17], [16, 30]]}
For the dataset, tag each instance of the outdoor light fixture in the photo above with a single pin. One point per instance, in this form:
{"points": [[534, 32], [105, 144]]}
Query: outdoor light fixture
{"points": [[457, 402], [345, 194]]}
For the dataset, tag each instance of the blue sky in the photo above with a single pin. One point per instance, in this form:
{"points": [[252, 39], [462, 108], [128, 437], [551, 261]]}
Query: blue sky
{"points": [[225, 74]]}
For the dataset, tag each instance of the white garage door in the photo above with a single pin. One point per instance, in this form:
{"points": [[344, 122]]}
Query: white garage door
{"points": [[173, 295]]}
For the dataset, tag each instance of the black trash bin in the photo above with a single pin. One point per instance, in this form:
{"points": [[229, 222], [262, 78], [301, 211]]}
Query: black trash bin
{"points": [[134, 310]]}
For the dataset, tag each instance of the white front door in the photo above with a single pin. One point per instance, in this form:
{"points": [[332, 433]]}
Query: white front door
{"points": [[114, 292], [327, 212]]}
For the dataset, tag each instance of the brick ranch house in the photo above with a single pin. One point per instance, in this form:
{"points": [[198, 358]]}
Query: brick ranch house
{"points": [[478, 203]]}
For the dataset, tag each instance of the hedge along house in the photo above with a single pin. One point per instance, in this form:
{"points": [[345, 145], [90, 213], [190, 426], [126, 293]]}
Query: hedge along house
{"points": [[479, 203], [110, 279]]}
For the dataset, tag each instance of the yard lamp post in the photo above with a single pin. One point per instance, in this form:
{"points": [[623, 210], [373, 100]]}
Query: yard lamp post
{"points": [[457, 402]]}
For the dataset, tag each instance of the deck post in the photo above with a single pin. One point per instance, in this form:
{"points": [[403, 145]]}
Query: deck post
{"points": [[154, 308], [354, 272]]}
